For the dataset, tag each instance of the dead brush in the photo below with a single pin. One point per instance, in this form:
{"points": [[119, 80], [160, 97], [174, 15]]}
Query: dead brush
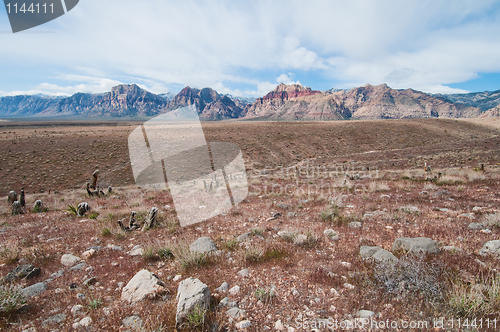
{"points": [[10, 251]]}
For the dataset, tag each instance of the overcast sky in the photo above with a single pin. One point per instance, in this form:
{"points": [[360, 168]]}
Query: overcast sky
{"points": [[248, 47]]}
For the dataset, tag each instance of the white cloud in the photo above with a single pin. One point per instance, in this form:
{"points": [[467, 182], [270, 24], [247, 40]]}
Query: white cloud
{"points": [[418, 44]]}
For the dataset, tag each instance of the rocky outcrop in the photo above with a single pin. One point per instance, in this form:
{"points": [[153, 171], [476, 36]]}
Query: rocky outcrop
{"points": [[492, 113], [210, 105], [368, 102], [483, 100]]}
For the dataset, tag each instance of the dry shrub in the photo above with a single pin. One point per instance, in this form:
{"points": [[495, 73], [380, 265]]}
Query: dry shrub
{"points": [[481, 299], [10, 251]]}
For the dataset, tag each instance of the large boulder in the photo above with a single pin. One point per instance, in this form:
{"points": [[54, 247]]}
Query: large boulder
{"points": [[143, 284], [491, 248], [203, 245], [417, 244], [192, 295], [378, 254]]}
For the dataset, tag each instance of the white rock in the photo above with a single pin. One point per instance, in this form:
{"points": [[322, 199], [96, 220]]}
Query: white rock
{"points": [[143, 284], [89, 253], [77, 310], [177, 278], [136, 251], [279, 325], [235, 290], [191, 294], [203, 245], [243, 324], [69, 260]]}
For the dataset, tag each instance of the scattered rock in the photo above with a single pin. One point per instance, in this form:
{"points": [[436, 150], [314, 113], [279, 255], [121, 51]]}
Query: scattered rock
{"points": [[243, 237], [331, 234], [243, 324], [79, 266], [284, 206], [491, 248], [355, 224], [291, 214], [143, 284], [223, 288], [57, 319], [377, 254], [235, 313], [88, 253], [69, 260], [365, 314], [417, 244], [224, 302], [177, 278], [191, 294], [279, 325], [203, 245], [235, 290], [80, 296], [134, 322], [34, 290], [467, 215], [243, 273], [84, 322], [452, 249], [136, 251], [476, 225], [77, 310], [22, 271]]}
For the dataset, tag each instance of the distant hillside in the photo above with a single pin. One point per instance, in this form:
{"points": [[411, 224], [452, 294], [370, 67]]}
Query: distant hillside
{"points": [[285, 102], [483, 100], [368, 102]]}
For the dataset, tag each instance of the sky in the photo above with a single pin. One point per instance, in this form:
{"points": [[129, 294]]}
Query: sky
{"points": [[246, 48]]}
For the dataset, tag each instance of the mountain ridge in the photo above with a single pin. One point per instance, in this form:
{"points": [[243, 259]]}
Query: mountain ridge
{"points": [[285, 102]]}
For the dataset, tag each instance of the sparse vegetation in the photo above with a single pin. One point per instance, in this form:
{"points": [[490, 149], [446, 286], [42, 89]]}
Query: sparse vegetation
{"points": [[10, 297], [481, 299], [187, 259]]}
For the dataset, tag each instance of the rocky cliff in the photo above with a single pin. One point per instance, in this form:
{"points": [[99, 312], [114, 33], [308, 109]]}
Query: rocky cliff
{"points": [[367, 102]]}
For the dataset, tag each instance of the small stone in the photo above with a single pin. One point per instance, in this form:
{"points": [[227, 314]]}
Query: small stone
{"points": [[235, 313], [243, 237], [143, 284], [80, 296], [224, 287], [349, 286], [89, 253], [76, 310], [243, 273], [134, 322], [86, 321], [243, 324], [284, 206], [136, 251], [491, 248], [279, 325], [467, 215], [203, 245], [418, 244], [57, 319], [69, 260], [177, 278], [476, 225], [79, 266], [235, 290], [365, 314], [34, 290], [355, 224], [224, 302]]}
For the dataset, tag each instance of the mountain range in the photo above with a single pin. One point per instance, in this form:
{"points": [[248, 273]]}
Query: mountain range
{"points": [[285, 102]]}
